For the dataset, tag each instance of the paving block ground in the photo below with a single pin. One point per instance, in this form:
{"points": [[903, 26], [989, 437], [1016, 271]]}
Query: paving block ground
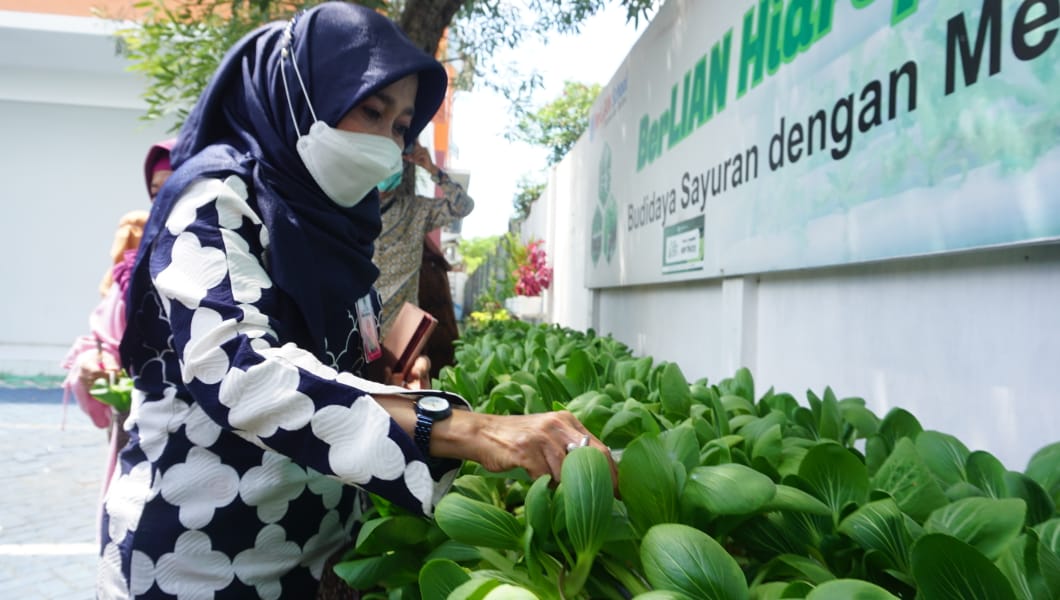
{"points": [[50, 479]]}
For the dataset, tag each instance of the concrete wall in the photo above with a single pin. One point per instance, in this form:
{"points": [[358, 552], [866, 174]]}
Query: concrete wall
{"points": [[554, 218], [966, 342], [71, 162]]}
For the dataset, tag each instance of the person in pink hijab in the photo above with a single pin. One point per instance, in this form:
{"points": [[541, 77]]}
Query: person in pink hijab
{"points": [[157, 170], [95, 356]]}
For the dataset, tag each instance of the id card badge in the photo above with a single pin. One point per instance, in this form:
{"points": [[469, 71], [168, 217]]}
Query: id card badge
{"points": [[368, 328]]}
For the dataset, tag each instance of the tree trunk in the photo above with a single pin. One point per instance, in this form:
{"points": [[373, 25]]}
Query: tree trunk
{"points": [[424, 21]]}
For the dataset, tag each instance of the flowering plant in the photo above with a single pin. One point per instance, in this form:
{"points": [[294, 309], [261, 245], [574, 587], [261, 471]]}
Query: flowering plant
{"points": [[533, 275]]}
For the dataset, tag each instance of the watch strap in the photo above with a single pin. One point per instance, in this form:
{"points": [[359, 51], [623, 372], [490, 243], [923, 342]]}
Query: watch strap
{"points": [[422, 433]]}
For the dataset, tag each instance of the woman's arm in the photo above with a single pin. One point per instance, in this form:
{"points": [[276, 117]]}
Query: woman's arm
{"points": [[221, 306], [536, 442], [454, 204], [238, 369]]}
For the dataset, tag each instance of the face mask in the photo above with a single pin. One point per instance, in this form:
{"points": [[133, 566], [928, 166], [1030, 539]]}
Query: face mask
{"points": [[388, 184], [346, 165]]}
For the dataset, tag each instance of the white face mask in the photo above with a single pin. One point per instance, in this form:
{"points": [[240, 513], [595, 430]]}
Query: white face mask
{"points": [[345, 164]]}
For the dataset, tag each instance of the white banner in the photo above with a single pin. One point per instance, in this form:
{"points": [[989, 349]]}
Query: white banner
{"points": [[748, 136]]}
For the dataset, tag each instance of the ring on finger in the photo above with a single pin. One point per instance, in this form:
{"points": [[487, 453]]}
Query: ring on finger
{"points": [[584, 442]]}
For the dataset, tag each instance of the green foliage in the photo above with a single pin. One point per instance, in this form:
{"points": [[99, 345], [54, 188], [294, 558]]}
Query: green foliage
{"points": [[475, 251], [501, 256], [116, 391], [724, 494], [179, 43], [688, 561], [845, 589], [527, 191], [516, 252], [557, 125], [1044, 467], [950, 568], [477, 523], [483, 29]]}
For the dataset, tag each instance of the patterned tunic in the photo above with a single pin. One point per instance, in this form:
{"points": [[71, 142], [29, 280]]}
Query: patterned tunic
{"points": [[248, 456], [399, 249]]}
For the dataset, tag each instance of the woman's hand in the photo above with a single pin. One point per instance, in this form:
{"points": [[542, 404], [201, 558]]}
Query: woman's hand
{"points": [[421, 157], [536, 442], [419, 375], [95, 365]]}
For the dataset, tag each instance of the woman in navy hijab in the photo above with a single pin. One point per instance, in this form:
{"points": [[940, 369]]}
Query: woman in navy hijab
{"points": [[252, 321]]}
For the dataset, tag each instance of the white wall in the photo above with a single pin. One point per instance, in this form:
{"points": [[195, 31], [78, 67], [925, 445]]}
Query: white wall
{"points": [[71, 162], [553, 219], [968, 343]]}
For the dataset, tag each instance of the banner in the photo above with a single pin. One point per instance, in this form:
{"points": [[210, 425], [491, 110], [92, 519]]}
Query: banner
{"points": [[748, 136]]}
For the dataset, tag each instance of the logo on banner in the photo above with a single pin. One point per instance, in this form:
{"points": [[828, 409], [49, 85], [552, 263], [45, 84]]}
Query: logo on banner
{"points": [[683, 246], [604, 238], [611, 100]]}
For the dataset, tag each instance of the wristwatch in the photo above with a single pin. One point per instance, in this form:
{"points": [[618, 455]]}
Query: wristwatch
{"points": [[440, 177], [429, 410]]}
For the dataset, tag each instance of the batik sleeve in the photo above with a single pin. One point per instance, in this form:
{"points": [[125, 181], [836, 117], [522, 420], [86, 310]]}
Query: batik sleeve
{"points": [[454, 203]]}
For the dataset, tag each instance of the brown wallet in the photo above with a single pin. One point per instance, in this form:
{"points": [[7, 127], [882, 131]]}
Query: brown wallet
{"points": [[406, 338]]}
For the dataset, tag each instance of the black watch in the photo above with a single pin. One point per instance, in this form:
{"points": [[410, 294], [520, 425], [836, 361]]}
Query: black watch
{"points": [[429, 410]]}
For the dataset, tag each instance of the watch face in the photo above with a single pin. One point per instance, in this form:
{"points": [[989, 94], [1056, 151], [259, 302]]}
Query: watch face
{"points": [[433, 404]]}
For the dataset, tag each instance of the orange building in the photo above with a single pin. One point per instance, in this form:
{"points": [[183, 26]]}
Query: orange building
{"points": [[76, 8]]}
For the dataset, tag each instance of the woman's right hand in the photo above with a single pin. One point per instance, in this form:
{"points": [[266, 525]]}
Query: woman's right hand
{"points": [[421, 157], [535, 442]]}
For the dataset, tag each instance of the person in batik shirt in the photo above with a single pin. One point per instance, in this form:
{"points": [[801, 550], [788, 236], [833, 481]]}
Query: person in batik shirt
{"points": [[252, 322]]}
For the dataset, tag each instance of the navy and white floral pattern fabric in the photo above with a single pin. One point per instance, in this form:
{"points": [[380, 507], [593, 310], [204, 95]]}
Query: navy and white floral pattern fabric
{"points": [[248, 455]]}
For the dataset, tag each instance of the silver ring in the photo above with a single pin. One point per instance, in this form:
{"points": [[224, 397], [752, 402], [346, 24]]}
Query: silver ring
{"points": [[573, 445]]}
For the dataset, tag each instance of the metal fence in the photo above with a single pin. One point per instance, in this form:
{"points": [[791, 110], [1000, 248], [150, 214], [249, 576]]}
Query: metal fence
{"points": [[489, 277]]}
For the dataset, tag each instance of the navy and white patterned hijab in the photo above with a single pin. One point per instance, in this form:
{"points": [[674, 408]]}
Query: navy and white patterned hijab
{"points": [[320, 254]]}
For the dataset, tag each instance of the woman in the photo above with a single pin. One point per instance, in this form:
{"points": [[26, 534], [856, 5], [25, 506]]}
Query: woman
{"points": [[95, 356], [399, 250], [251, 319], [157, 170]]}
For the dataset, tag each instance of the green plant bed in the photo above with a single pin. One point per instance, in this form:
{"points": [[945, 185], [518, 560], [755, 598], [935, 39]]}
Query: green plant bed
{"points": [[39, 381], [725, 494]]}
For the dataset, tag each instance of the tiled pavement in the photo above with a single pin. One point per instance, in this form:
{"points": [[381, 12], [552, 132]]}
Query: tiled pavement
{"points": [[50, 480]]}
